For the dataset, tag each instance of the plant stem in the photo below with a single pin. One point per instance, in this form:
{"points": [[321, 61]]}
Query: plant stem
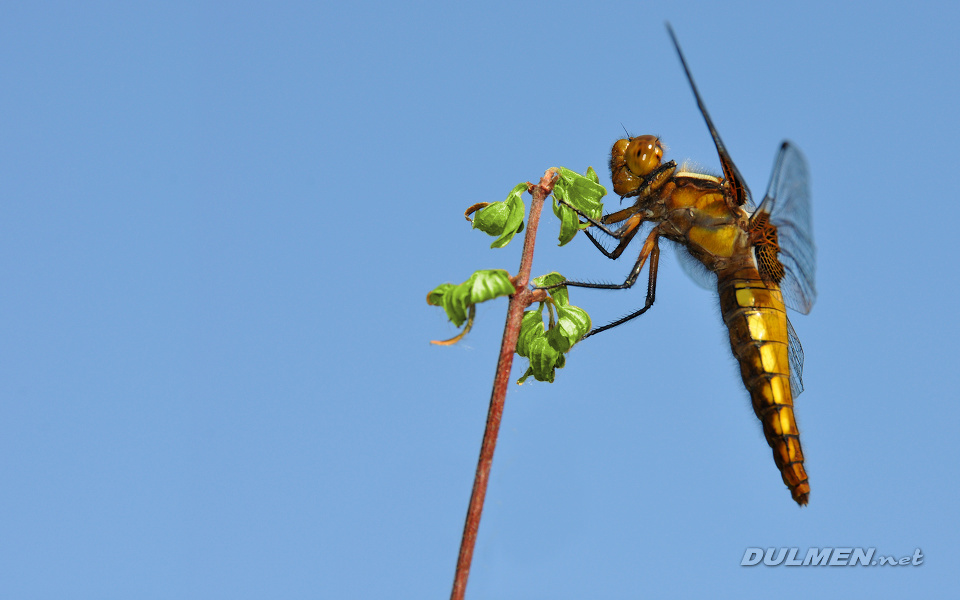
{"points": [[518, 302]]}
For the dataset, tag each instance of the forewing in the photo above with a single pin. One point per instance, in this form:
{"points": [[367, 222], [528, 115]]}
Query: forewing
{"points": [[788, 202], [731, 174]]}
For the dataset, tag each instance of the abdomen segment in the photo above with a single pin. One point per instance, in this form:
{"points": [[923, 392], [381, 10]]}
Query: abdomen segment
{"points": [[756, 318]]}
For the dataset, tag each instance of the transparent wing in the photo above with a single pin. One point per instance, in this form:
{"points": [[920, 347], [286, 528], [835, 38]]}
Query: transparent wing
{"points": [[788, 202], [738, 187], [696, 270], [795, 350]]}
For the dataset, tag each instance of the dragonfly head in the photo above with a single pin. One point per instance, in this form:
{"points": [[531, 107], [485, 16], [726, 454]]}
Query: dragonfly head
{"points": [[631, 160], [643, 153]]}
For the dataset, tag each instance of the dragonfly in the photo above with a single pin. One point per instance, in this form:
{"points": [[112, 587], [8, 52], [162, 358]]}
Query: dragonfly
{"points": [[760, 259]]}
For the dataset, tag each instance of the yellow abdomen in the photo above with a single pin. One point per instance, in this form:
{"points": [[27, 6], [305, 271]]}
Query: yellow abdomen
{"points": [[757, 320]]}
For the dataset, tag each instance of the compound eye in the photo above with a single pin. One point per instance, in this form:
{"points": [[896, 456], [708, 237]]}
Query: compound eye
{"points": [[644, 154]]}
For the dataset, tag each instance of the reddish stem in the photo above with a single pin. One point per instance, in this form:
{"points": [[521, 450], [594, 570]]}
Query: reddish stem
{"points": [[518, 302]]}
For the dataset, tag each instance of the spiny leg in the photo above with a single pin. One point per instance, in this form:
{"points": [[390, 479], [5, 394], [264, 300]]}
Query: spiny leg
{"points": [[651, 294], [620, 215], [626, 233], [649, 246]]}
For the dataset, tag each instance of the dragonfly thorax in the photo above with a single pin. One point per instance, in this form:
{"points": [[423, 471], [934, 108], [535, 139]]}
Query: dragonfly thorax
{"points": [[698, 213]]}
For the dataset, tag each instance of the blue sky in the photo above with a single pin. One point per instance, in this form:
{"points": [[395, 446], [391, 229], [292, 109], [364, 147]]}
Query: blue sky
{"points": [[220, 223]]}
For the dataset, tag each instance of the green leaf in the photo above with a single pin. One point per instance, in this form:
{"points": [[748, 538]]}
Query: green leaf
{"points": [[514, 223], [489, 284], [533, 344], [492, 219], [435, 297], [480, 287], [559, 295], [459, 301], [580, 191], [526, 374], [449, 296], [455, 304], [503, 219], [569, 221], [572, 324], [574, 320], [546, 347], [551, 278], [543, 359], [531, 328], [592, 176]]}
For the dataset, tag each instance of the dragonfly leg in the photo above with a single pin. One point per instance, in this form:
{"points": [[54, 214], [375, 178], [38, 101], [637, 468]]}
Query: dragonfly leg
{"points": [[651, 294], [650, 245], [617, 217], [624, 234]]}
